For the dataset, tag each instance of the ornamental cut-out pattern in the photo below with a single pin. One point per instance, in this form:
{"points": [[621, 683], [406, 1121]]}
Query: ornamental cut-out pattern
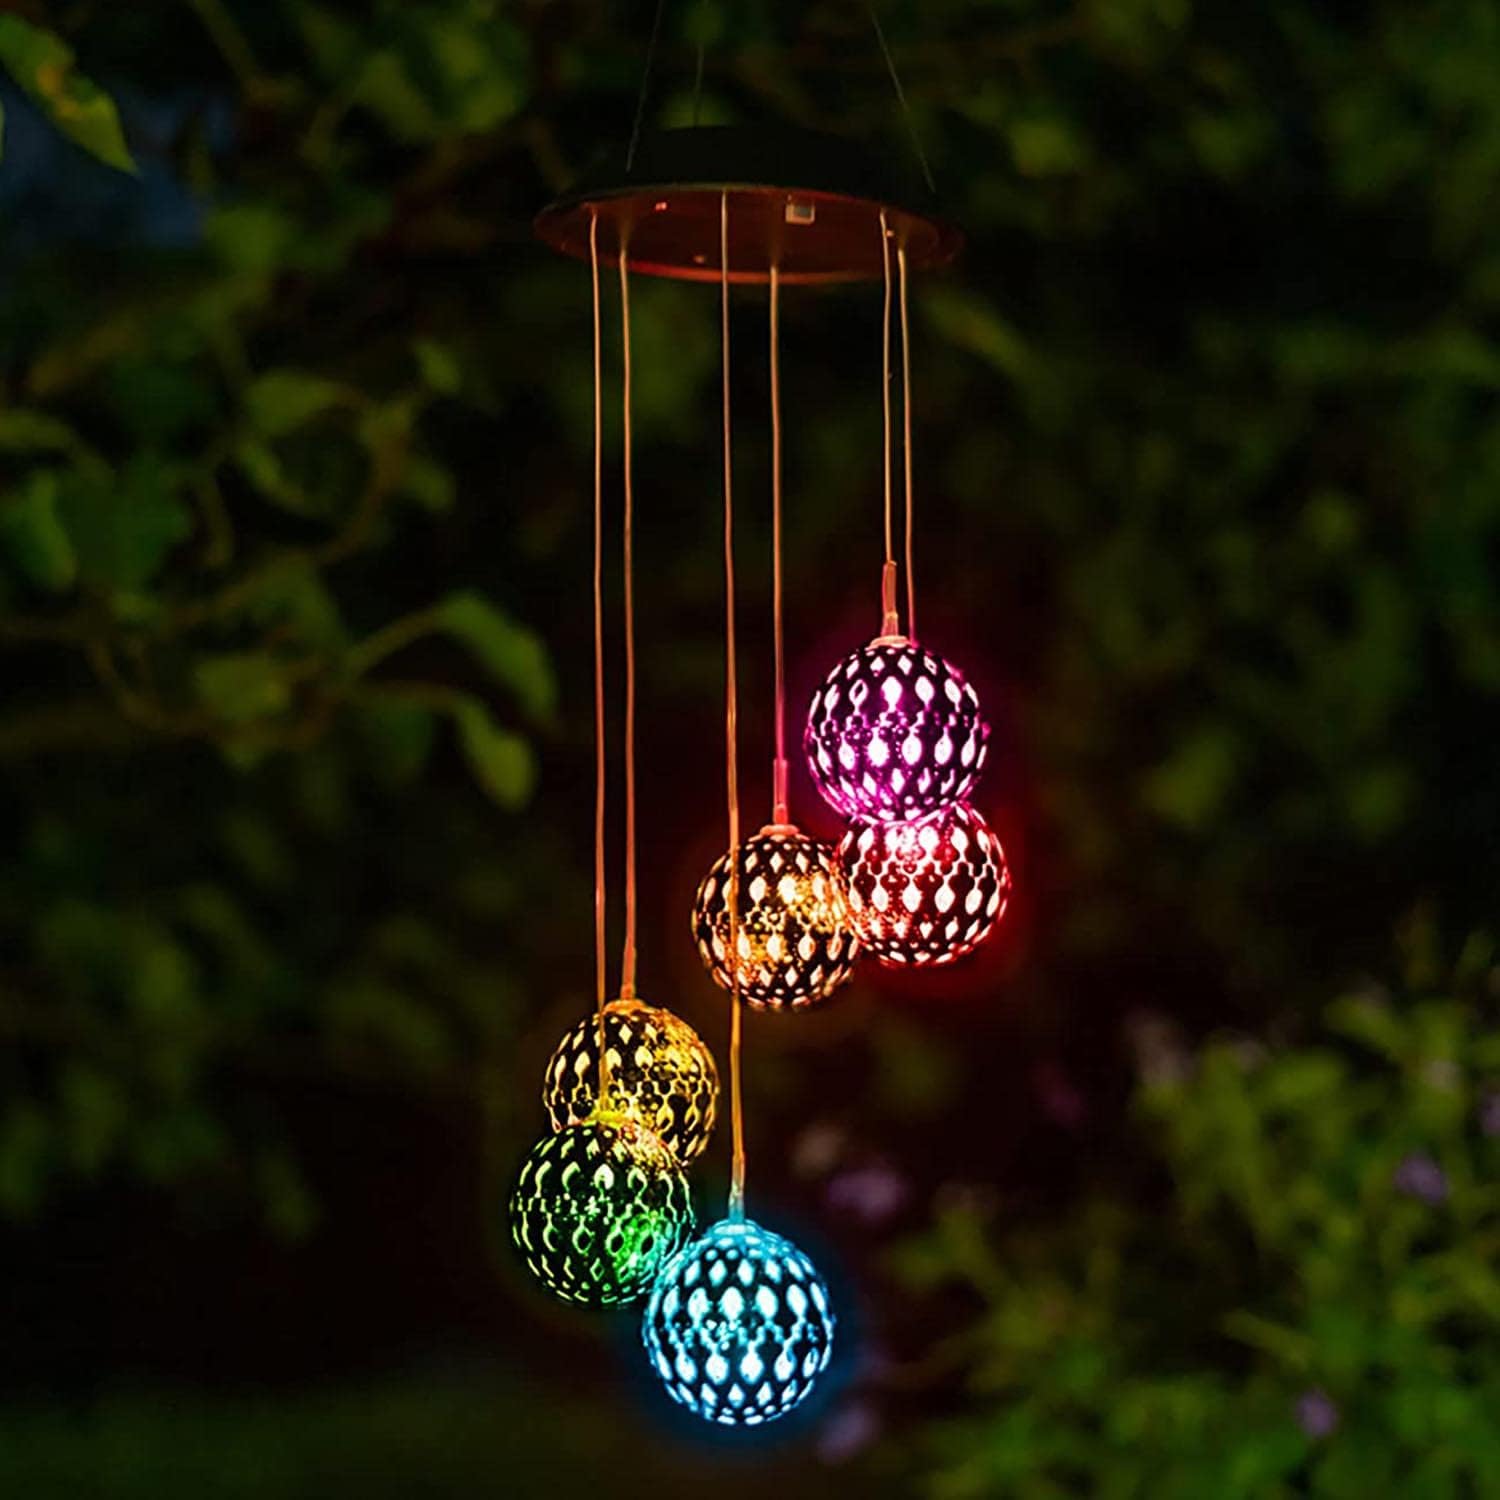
{"points": [[598, 1210], [894, 732], [924, 892], [740, 1325], [794, 944], [661, 1075]]}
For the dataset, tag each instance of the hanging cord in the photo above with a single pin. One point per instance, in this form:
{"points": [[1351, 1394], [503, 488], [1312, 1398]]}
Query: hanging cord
{"points": [[640, 103], [600, 962], [627, 957], [906, 114], [890, 623], [779, 812], [911, 586], [731, 753], [698, 67]]}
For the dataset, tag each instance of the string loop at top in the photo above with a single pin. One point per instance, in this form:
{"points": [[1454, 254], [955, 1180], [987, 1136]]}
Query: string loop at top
{"points": [[640, 103], [906, 115]]}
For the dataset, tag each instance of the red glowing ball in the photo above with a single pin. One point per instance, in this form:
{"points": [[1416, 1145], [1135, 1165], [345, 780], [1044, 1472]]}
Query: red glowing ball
{"points": [[927, 891]]}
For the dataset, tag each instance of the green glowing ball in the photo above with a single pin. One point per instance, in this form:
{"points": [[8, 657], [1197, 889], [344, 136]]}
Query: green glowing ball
{"points": [[598, 1209], [661, 1075]]}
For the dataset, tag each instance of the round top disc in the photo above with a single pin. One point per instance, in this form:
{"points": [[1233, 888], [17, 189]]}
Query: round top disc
{"points": [[810, 204]]}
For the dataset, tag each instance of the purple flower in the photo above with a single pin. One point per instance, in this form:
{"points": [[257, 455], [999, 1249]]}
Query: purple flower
{"points": [[1489, 1113], [1317, 1413], [847, 1432], [1420, 1177], [871, 1194]]}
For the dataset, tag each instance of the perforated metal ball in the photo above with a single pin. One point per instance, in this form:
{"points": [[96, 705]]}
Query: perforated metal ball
{"points": [[740, 1325], [661, 1075], [926, 891], [598, 1209], [795, 944], [894, 732]]}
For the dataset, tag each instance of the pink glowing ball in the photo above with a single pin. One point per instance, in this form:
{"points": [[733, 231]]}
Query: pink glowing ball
{"points": [[894, 732]]}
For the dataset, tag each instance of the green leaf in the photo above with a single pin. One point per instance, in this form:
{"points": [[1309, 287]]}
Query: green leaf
{"points": [[290, 1209], [42, 65], [399, 736], [439, 367], [428, 483], [500, 759], [1189, 788], [280, 401], [34, 537], [159, 400], [261, 467], [515, 656], [252, 237], [242, 686], [93, 1113], [23, 430], [26, 1144], [294, 600], [374, 1010], [122, 529]]}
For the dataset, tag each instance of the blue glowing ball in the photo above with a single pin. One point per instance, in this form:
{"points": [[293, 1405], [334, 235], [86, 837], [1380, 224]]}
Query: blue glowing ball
{"points": [[739, 1325]]}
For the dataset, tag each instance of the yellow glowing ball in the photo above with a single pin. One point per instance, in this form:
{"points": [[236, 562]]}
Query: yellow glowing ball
{"points": [[661, 1075]]}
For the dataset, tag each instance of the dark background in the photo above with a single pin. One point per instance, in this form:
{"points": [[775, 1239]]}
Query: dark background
{"points": [[297, 762]]}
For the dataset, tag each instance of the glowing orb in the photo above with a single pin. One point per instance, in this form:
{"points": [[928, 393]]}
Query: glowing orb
{"points": [[661, 1075], [598, 1209], [739, 1327], [794, 944], [927, 891], [894, 732]]}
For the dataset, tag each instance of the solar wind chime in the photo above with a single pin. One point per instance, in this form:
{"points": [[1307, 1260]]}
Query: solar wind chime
{"points": [[738, 1323]]}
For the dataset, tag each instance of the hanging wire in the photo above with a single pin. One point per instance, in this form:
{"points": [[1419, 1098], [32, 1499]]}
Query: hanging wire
{"points": [[698, 66], [890, 624], [640, 103], [627, 958], [906, 114], [731, 753], [911, 586], [600, 962], [779, 811]]}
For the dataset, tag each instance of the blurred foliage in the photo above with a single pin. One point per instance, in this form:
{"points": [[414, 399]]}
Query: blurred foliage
{"points": [[1311, 1307], [446, 1432], [294, 503]]}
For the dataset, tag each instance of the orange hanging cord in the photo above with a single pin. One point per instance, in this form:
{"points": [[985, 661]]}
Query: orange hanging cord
{"points": [[779, 810], [731, 753], [890, 622], [601, 974], [627, 958], [911, 586]]}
